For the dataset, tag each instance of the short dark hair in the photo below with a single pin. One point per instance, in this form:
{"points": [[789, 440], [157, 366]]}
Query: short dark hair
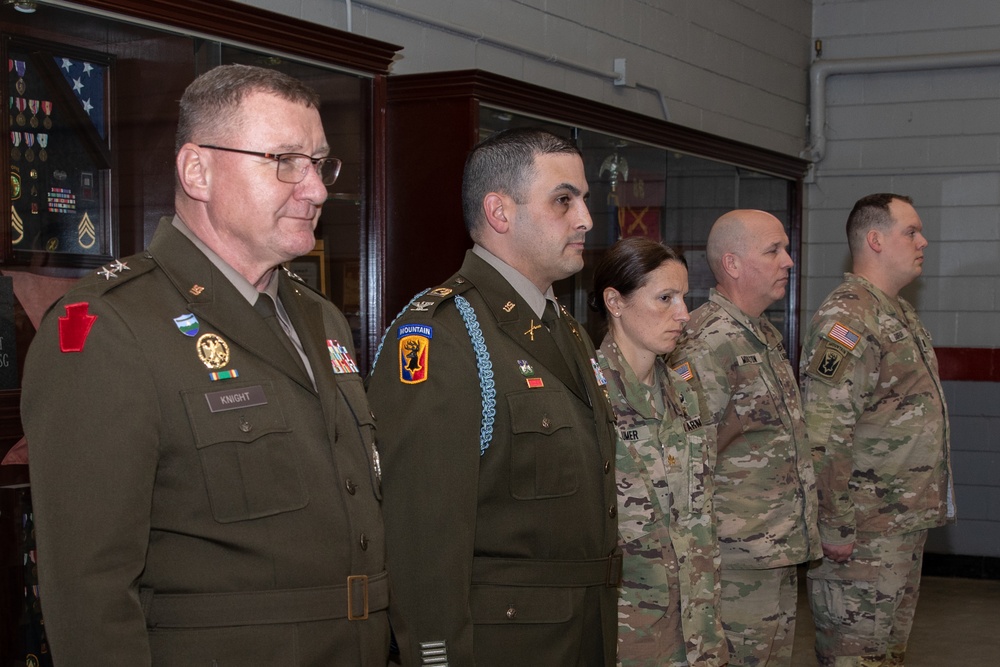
{"points": [[871, 211], [626, 267], [210, 104], [505, 162]]}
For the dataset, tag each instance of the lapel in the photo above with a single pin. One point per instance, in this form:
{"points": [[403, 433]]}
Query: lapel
{"points": [[218, 302], [306, 315], [519, 323]]}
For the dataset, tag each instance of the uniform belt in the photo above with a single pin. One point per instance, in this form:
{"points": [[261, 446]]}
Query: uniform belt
{"points": [[352, 600], [605, 571]]}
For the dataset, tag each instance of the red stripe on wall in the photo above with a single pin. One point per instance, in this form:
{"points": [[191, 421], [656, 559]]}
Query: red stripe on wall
{"points": [[969, 364]]}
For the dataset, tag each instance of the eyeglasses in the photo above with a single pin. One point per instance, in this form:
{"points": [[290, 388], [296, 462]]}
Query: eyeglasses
{"points": [[292, 167]]}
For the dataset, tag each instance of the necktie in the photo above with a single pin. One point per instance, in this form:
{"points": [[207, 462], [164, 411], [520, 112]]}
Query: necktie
{"points": [[565, 341], [265, 307]]}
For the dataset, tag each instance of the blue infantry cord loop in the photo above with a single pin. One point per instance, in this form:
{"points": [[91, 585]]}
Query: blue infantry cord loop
{"points": [[378, 352], [485, 367]]}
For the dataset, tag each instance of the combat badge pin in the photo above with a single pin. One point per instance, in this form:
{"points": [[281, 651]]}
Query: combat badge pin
{"points": [[213, 351]]}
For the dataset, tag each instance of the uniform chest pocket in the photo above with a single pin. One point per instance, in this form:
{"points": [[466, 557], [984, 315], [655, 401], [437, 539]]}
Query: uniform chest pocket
{"points": [[542, 460], [246, 453], [754, 399]]}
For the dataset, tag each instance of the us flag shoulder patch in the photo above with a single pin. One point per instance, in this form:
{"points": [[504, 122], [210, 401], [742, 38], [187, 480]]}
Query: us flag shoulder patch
{"points": [[843, 335], [684, 371]]}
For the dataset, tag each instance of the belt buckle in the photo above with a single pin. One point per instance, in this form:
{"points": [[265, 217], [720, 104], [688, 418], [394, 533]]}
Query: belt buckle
{"points": [[351, 581], [614, 569]]}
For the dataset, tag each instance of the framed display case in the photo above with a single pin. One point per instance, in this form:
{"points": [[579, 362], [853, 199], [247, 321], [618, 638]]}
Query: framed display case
{"points": [[647, 177]]}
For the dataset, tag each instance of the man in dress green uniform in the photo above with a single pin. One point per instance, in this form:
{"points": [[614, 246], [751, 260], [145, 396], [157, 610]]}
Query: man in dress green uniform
{"points": [[497, 441], [204, 477], [878, 426], [765, 491]]}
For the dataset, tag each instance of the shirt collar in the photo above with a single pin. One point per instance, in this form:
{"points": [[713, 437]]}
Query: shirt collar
{"points": [[524, 287], [241, 284]]}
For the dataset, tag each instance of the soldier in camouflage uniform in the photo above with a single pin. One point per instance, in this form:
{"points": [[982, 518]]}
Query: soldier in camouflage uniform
{"points": [[878, 426], [765, 491], [668, 609]]}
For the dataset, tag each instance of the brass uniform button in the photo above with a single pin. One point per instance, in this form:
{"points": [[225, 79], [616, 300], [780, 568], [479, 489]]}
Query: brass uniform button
{"points": [[351, 487], [364, 542], [511, 612], [613, 511]]}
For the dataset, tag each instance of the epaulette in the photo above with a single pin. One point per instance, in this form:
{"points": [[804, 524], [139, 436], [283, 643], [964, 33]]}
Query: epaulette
{"points": [[119, 272], [429, 300], [425, 303]]}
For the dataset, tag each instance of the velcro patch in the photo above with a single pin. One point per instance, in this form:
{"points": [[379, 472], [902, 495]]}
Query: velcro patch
{"points": [[684, 371], [843, 335], [828, 362]]}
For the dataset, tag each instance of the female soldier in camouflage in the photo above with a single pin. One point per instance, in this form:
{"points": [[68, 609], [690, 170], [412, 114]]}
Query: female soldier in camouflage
{"points": [[668, 611]]}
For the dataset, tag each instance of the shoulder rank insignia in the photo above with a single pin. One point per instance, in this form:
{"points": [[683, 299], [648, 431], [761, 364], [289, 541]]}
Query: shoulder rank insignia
{"points": [[843, 335], [414, 352]]}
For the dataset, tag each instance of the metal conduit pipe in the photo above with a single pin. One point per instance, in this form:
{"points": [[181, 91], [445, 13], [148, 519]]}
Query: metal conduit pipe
{"points": [[823, 70]]}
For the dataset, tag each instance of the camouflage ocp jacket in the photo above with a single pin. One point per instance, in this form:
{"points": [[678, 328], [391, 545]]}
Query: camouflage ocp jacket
{"points": [[765, 490], [666, 520], [876, 414]]}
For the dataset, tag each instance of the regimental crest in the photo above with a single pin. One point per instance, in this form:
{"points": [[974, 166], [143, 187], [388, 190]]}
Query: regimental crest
{"points": [[526, 368], [414, 352]]}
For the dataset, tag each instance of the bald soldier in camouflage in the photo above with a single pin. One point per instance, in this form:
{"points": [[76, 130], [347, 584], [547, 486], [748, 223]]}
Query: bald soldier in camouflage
{"points": [[878, 425], [765, 491]]}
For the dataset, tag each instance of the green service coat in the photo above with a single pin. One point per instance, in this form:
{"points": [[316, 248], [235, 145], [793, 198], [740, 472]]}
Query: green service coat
{"points": [[147, 482], [499, 530]]}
